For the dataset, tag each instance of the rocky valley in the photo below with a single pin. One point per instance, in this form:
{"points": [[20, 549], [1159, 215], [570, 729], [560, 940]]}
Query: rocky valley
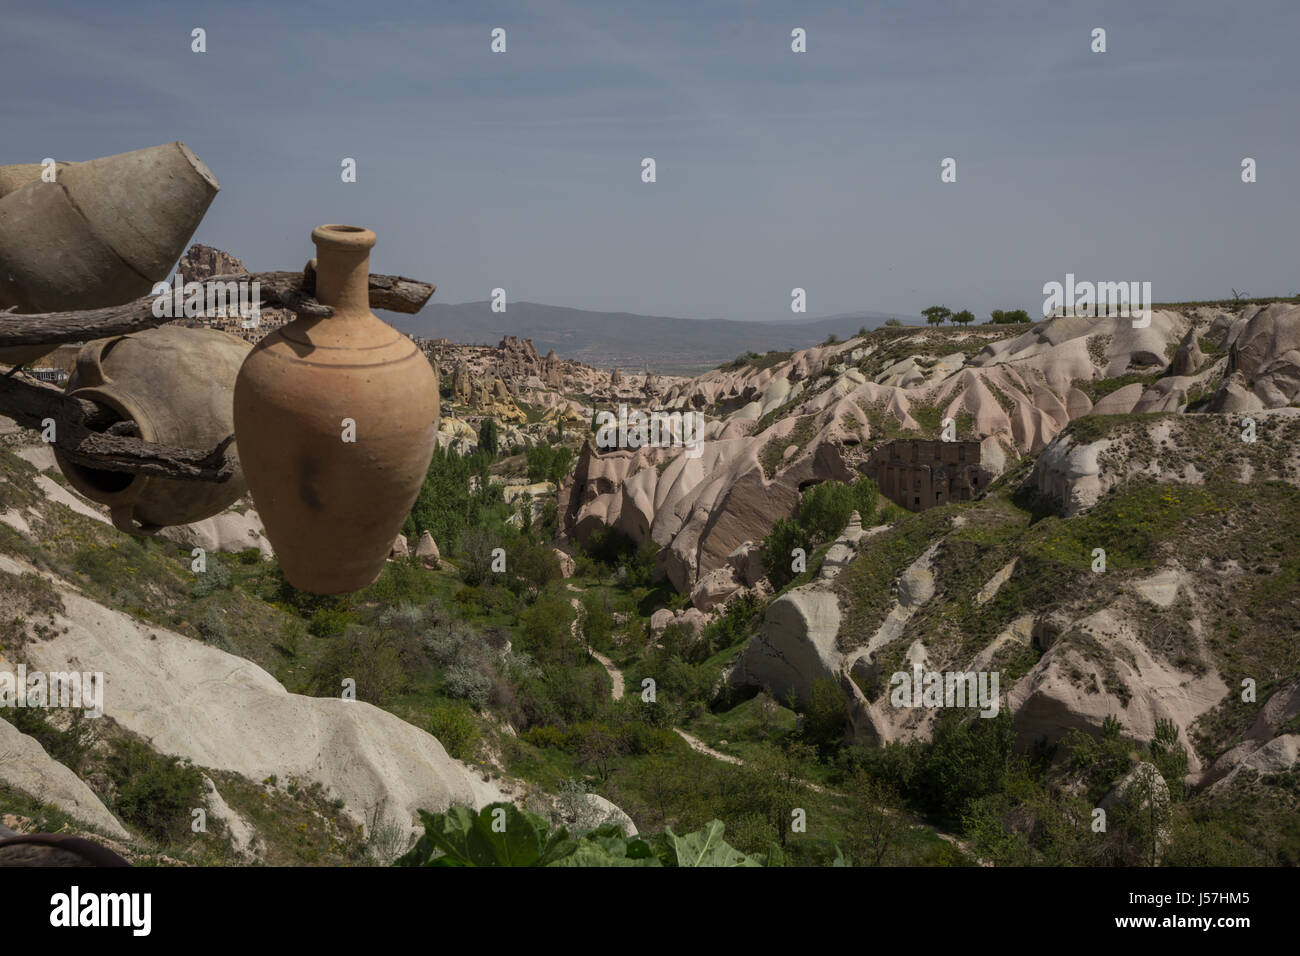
{"points": [[1086, 525]]}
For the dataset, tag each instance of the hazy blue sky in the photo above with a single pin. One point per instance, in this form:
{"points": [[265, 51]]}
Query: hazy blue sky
{"points": [[775, 169]]}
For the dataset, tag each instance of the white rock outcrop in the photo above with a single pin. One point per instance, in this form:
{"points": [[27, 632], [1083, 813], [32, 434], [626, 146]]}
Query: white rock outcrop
{"points": [[220, 711]]}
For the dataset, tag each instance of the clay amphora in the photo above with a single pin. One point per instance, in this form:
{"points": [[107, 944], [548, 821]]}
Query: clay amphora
{"points": [[336, 421], [177, 385], [101, 235]]}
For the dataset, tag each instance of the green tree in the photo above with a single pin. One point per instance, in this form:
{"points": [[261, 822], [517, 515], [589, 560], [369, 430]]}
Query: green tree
{"points": [[547, 629], [1169, 757], [442, 505], [936, 314], [778, 548], [487, 436], [825, 509], [548, 463], [876, 824], [866, 499], [964, 317]]}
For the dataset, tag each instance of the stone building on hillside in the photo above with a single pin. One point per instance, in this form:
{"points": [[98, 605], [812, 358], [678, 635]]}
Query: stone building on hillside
{"points": [[925, 473]]}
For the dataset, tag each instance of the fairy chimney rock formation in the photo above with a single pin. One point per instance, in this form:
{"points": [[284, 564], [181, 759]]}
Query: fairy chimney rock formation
{"points": [[203, 262]]}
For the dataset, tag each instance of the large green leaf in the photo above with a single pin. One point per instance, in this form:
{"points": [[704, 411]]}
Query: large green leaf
{"points": [[498, 835], [707, 848]]}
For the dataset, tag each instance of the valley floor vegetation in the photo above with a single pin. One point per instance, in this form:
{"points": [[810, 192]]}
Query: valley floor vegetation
{"points": [[499, 666]]}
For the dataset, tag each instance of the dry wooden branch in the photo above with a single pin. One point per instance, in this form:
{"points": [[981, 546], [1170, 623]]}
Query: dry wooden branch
{"points": [[287, 290], [90, 435], [31, 404]]}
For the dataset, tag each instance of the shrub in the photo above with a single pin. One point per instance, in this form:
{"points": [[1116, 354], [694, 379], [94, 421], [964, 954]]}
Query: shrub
{"points": [[69, 747], [215, 578], [466, 683], [403, 581], [444, 643], [155, 793], [546, 629], [454, 725], [866, 496], [827, 714], [329, 622], [778, 546], [597, 620], [476, 563], [533, 566], [212, 627], [380, 663], [825, 509]]}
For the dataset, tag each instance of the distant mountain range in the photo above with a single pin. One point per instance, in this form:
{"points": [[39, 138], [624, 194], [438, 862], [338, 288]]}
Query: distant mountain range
{"points": [[626, 340]]}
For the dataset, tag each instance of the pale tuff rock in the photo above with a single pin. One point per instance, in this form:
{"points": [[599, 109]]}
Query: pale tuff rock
{"points": [[1161, 589], [580, 812], [194, 701], [1068, 688], [1235, 397], [659, 621], [1018, 393], [427, 550], [691, 620], [1278, 755], [795, 648], [994, 584], [241, 831], [843, 549], [1077, 475], [1281, 707], [400, 548], [567, 565], [1047, 629], [231, 531], [26, 766], [1071, 473], [853, 531], [1189, 356], [715, 588], [1266, 351], [1120, 401], [747, 561]]}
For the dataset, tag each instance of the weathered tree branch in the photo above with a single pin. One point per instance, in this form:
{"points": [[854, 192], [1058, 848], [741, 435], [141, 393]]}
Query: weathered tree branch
{"points": [[31, 404], [287, 290], [92, 436]]}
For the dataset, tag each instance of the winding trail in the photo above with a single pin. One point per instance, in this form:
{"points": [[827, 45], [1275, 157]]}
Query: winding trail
{"points": [[617, 690], [615, 675], [699, 746]]}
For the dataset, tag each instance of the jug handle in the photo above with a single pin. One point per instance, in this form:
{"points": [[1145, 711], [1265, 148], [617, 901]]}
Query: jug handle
{"points": [[90, 370]]}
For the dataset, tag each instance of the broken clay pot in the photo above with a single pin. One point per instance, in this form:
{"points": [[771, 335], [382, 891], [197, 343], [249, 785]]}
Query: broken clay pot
{"points": [[103, 233], [336, 420], [177, 385]]}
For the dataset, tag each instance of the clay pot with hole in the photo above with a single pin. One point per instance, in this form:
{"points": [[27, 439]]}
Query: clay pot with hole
{"points": [[176, 385], [336, 420], [103, 233]]}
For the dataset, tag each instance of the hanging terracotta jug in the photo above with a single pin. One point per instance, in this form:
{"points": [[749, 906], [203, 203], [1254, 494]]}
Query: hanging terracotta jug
{"points": [[336, 421], [102, 234], [177, 385]]}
